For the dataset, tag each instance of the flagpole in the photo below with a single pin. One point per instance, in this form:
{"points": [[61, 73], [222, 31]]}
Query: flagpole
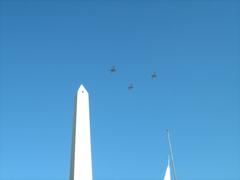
{"points": [[171, 154]]}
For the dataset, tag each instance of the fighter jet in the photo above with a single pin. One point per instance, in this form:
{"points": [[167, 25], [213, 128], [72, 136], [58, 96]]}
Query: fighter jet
{"points": [[113, 69], [154, 75], [130, 87]]}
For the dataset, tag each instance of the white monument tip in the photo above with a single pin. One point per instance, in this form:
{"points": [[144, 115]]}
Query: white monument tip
{"points": [[82, 89], [81, 167]]}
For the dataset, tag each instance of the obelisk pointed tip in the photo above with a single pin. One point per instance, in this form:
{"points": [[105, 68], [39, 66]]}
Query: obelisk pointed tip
{"points": [[82, 89]]}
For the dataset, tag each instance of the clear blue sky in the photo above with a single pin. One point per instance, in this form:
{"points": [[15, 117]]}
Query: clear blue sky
{"points": [[48, 48]]}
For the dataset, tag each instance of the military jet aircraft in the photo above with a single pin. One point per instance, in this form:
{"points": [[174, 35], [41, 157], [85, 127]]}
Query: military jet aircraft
{"points": [[113, 69], [154, 75], [130, 87]]}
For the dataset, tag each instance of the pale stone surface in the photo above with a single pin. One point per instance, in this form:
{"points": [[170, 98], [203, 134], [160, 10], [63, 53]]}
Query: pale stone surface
{"points": [[81, 167]]}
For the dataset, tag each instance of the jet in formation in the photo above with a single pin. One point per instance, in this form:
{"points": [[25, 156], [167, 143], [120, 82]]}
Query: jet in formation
{"points": [[113, 69], [154, 75], [130, 86]]}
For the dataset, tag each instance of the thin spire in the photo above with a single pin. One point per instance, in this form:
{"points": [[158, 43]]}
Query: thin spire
{"points": [[167, 175], [171, 154], [168, 160]]}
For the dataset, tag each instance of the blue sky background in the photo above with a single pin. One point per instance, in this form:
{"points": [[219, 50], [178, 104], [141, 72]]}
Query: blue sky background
{"points": [[48, 48]]}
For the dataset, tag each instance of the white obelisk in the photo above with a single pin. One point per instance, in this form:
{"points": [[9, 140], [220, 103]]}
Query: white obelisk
{"points": [[81, 167]]}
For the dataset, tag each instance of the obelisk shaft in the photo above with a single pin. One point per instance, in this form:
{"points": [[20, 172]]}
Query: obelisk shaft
{"points": [[82, 160]]}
